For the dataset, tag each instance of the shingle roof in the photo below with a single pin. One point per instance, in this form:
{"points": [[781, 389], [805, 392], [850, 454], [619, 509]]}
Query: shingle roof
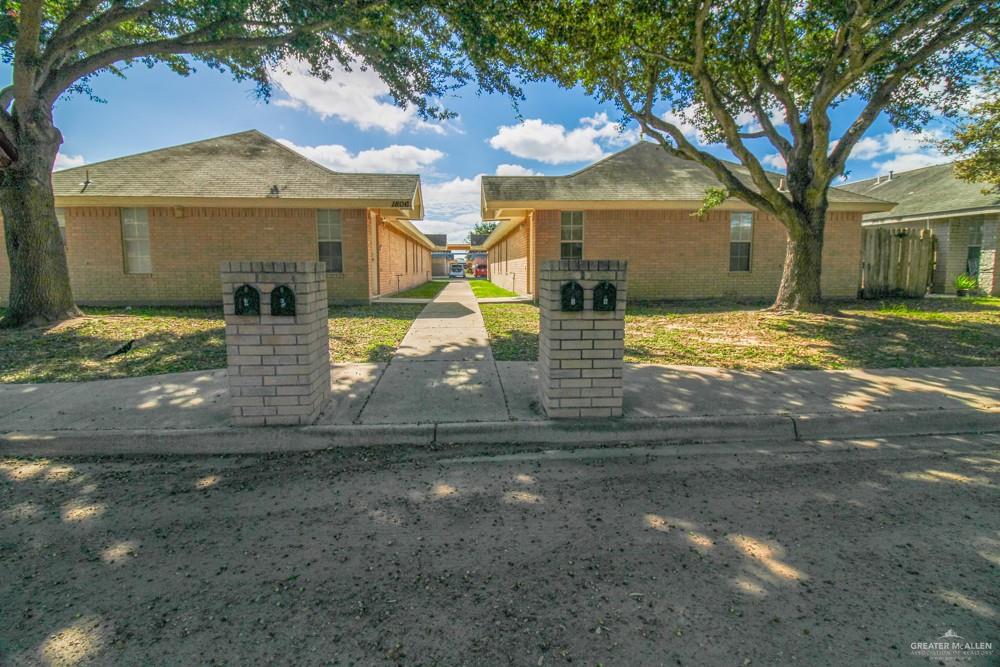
{"points": [[642, 172], [438, 239], [926, 191], [244, 165], [477, 239]]}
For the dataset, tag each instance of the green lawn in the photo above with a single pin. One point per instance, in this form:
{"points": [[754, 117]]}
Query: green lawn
{"points": [[871, 334], [175, 339], [428, 290], [484, 289]]}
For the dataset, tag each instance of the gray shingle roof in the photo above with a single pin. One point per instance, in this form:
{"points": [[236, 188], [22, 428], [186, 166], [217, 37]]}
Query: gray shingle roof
{"points": [[244, 165], [926, 191], [642, 172], [477, 239], [438, 239]]}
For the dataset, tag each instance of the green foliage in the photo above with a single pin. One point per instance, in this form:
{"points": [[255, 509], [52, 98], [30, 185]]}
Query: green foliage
{"points": [[964, 281], [713, 197], [977, 140], [484, 227]]}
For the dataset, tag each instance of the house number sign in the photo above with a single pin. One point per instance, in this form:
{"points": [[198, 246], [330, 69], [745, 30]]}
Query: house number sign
{"points": [[283, 301], [247, 300]]}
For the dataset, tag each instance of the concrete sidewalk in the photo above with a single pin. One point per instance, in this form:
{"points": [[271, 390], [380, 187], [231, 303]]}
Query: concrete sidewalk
{"points": [[443, 370], [188, 412]]}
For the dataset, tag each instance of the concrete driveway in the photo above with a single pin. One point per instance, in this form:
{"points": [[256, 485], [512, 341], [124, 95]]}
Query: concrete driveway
{"points": [[765, 554]]}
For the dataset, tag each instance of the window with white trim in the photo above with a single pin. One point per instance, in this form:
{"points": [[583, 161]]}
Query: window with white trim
{"points": [[61, 219], [740, 241], [329, 229], [135, 240], [571, 235]]}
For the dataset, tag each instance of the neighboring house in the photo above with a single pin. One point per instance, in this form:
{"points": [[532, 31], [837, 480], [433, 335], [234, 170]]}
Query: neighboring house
{"points": [[639, 205], [477, 254], [153, 228], [965, 221], [440, 257]]}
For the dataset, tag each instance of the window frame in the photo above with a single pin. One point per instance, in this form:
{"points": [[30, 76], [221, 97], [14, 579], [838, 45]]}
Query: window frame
{"points": [[563, 243], [132, 240], [329, 239], [741, 240], [975, 242]]}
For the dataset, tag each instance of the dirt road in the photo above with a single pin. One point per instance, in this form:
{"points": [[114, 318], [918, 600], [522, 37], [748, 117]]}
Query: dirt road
{"points": [[788, 553]]}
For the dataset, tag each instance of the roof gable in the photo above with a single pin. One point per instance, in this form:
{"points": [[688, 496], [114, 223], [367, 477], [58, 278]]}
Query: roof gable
{"points": [[247, 165], [933, 190]]}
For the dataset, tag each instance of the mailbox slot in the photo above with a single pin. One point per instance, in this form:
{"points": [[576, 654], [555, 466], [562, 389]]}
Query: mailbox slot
{"points": [[247, 300], [605, 296], [283, 301], [571, 296]]}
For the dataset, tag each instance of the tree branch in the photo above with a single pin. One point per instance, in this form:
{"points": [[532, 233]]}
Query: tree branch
{"points": [[26, 51], [61, 80]]}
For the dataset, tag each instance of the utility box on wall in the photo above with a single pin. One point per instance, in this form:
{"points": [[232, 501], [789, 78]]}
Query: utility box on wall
{"points": [[276, 341], [582, 339]]}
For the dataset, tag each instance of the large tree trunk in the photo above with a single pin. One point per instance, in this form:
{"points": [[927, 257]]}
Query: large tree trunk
{"points": [[800, 280], [39, 278]]}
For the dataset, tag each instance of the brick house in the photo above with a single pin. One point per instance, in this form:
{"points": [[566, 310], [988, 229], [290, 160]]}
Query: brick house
{"points": [[153, 228], [638, 205], [965, 220]]}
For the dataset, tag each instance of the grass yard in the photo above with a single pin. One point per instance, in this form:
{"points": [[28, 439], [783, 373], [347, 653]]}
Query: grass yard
{"points": [[171, 340], [484, 289], [428, 290], [870, 334]]}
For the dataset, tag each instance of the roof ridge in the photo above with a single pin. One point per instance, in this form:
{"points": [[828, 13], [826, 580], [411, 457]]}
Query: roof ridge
{"points": [[604, 159], [325, 168], [162, 148], [897, 174]]}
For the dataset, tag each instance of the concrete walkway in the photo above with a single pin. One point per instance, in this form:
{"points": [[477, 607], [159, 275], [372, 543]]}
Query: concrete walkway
{"points": [[443, 370]]}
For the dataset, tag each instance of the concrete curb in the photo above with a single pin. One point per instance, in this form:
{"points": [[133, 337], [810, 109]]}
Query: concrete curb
{"points": [[676, 430]]}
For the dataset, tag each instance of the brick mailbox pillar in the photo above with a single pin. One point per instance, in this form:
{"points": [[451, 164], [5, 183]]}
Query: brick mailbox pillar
{"points": [[276, 341], [582, 341]]}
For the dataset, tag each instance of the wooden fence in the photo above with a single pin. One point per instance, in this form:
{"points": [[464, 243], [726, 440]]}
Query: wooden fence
{"points": [[896, 262]]}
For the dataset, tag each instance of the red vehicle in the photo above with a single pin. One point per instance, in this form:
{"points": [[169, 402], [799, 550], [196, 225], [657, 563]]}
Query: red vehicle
{"points": [[479, 271]]}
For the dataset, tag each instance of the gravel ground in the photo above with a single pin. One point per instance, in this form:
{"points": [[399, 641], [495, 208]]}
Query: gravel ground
{"points": [[697, 555]]}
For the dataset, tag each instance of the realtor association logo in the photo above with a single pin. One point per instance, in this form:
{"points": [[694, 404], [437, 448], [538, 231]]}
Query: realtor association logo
{"points": [[952, 645]]}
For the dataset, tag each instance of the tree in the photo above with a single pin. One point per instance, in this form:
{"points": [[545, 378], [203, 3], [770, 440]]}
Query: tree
{"points": [[482, 228], [57, 47], [760, 70], [977, 140]]}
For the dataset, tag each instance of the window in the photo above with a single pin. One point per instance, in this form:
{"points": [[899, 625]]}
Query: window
{"points": [[975, 249], [740, 238], [61, 219], [135, 239], [571, 235], [328, 228]]}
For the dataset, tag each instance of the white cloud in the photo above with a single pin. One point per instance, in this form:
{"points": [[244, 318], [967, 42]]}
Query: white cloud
{"points": [[359, 97], [866, 148], [901, 150], [516, 170], [393, 159], [552, 143], [68, 161], [908, 161], [453, 207], [774, 160]]}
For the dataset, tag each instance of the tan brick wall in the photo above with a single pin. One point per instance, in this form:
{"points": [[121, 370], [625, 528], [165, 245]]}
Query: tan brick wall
{"points": [[186, 250], [403, 263], [673, 255], [278, 366], [508, 261], [580, 353]]}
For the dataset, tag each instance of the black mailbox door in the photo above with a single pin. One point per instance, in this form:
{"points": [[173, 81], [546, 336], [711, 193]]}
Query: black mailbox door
{"points": [[572, 296], [247, 300], [283, 301], [605, 296]]}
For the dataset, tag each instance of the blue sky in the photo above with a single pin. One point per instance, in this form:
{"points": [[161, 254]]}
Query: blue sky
{"points": [[349, 124]]}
